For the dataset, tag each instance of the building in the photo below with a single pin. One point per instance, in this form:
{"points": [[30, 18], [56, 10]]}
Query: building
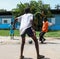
{"points": [[5, 19], [55, 20]]}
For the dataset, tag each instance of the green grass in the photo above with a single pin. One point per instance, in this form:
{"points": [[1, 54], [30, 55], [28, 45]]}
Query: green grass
{"points": [[16, 33], [51, 34], [7, 32]]}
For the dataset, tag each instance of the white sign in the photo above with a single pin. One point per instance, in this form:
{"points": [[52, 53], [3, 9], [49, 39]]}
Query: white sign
{"points": [[6, 20], [53, 20]]}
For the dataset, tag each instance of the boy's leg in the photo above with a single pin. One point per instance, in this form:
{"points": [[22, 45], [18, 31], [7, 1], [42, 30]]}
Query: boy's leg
{"points": [[36, 45], [40, 36], [12, 36], [31, 34], [43, 36], [22, 47]]}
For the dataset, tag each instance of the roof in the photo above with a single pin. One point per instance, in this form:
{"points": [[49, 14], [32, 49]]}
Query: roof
{"points": [[6, 13], [55, 11]]}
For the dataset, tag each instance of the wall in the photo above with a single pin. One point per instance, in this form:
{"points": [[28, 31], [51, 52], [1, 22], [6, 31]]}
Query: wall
{"points": [[56, 22], [5, 21]]}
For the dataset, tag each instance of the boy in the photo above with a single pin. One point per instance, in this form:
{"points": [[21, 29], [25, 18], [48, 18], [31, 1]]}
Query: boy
{"points": [[26, 21], [44, 30], [12, 30]]}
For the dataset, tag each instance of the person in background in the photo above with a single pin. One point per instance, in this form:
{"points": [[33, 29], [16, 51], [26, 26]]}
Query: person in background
{"points": [[26, 21], [11, 26], [44, 30]]}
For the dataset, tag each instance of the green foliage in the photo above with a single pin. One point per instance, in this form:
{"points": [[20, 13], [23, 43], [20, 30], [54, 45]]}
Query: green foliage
{"points": [[34, 7], [57, 6], [3, 10]]}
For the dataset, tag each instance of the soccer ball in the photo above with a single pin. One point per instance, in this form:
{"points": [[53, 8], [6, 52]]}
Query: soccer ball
{"points": [[30, 42]]}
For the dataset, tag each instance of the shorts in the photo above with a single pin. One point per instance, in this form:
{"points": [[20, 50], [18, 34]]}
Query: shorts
{"points": [[11, 32], [29, 32]]}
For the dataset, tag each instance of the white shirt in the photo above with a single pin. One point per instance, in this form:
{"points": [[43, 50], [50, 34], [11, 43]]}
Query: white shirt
{"points": [[25, 22]]}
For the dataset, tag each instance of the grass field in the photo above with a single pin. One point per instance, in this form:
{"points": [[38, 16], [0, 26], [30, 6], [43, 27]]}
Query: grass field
{"points": [[16, 33], [51, 34], [7, 32]]}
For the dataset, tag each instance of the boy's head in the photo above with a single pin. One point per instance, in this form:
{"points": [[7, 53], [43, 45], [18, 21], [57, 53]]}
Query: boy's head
{"points": [[11, 22], [27, 10], [45, 19]]}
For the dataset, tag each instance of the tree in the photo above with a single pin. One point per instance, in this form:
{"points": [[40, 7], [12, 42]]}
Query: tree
{"points": [[57, 6], [36, 8], [2, 10]]}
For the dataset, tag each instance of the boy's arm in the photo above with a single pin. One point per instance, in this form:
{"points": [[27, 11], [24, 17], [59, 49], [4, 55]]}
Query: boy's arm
{"points": [[50, 24], [16, 19]]}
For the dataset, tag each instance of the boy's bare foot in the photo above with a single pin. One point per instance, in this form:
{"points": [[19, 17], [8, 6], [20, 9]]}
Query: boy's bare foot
{"points": [[22, 57], [40, 57]]}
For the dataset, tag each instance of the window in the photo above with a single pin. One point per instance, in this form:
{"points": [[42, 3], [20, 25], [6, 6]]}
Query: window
{"points": [[5, 21]]}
